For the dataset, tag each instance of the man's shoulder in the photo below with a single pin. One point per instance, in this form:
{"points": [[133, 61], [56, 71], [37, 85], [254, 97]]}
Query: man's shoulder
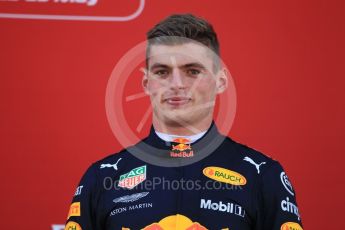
{"points": [[248, 156], [111, 157], [251, 163], [113, 163], [244, 149]]}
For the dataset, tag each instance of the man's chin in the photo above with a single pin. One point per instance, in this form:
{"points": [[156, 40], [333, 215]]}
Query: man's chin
{"points": [[178, 117]]}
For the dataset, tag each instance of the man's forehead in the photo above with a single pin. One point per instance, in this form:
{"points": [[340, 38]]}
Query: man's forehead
{"points": [[180, 54]]}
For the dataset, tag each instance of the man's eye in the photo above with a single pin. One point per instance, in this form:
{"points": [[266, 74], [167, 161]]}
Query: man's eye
{"points": [[161, 72], [193, 72]]}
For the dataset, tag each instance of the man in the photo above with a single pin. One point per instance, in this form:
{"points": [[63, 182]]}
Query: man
{"points": [[185, 174]]}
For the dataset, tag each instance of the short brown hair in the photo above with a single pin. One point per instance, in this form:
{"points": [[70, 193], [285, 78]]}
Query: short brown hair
{"points": [[173, 29]]}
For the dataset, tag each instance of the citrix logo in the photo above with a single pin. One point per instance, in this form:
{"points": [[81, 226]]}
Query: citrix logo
{"points": [[220, 206], [288, 206]]}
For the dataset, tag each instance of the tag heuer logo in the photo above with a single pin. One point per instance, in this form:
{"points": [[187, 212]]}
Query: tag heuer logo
{"points": [[133, 178]]}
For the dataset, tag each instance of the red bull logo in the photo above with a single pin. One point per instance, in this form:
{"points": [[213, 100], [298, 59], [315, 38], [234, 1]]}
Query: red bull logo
{"points": [[174, 222], [182, 149]]}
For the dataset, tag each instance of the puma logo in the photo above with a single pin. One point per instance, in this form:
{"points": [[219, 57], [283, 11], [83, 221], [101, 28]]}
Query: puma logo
{"points": [[257, 166], [110, 165]]}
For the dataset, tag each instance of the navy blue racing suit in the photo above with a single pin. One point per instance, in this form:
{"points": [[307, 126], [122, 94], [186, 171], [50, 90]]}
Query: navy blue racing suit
{"points": [[234, 187]]}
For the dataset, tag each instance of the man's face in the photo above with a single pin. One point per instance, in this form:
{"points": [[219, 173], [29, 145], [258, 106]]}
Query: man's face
{"points": [[182, 83]]}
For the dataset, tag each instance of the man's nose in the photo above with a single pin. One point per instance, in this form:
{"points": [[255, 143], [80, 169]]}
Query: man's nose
{"points": [[177, 79]]}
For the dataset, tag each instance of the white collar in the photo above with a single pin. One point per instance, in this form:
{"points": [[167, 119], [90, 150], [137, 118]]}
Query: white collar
{"points": [[170, 137]]}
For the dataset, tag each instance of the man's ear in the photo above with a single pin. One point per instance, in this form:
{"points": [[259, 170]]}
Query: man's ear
{"points": [[222, 80], [145, 80]]}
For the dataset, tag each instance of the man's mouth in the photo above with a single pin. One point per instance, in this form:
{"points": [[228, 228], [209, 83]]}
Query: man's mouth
{"points": [[177, 101]]}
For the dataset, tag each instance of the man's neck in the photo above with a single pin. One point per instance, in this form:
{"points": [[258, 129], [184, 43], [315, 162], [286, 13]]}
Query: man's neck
{"points": [[182, 130]]}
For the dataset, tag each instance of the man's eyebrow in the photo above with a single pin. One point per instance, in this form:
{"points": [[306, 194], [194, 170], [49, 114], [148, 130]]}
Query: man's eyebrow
{"points": [[194, 64], [158, 65]]}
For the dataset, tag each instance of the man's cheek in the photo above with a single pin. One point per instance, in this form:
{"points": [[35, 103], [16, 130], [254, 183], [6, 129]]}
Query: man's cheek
{"points": [[154, 89]]}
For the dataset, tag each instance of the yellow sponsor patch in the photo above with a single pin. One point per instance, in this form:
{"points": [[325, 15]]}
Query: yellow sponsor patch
{"points": [[71, 225], [224, 175], [291, 226], [74, 210]]}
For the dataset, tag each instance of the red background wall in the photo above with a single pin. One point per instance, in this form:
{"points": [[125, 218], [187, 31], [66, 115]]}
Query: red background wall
{"points": [[286, 58]]}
